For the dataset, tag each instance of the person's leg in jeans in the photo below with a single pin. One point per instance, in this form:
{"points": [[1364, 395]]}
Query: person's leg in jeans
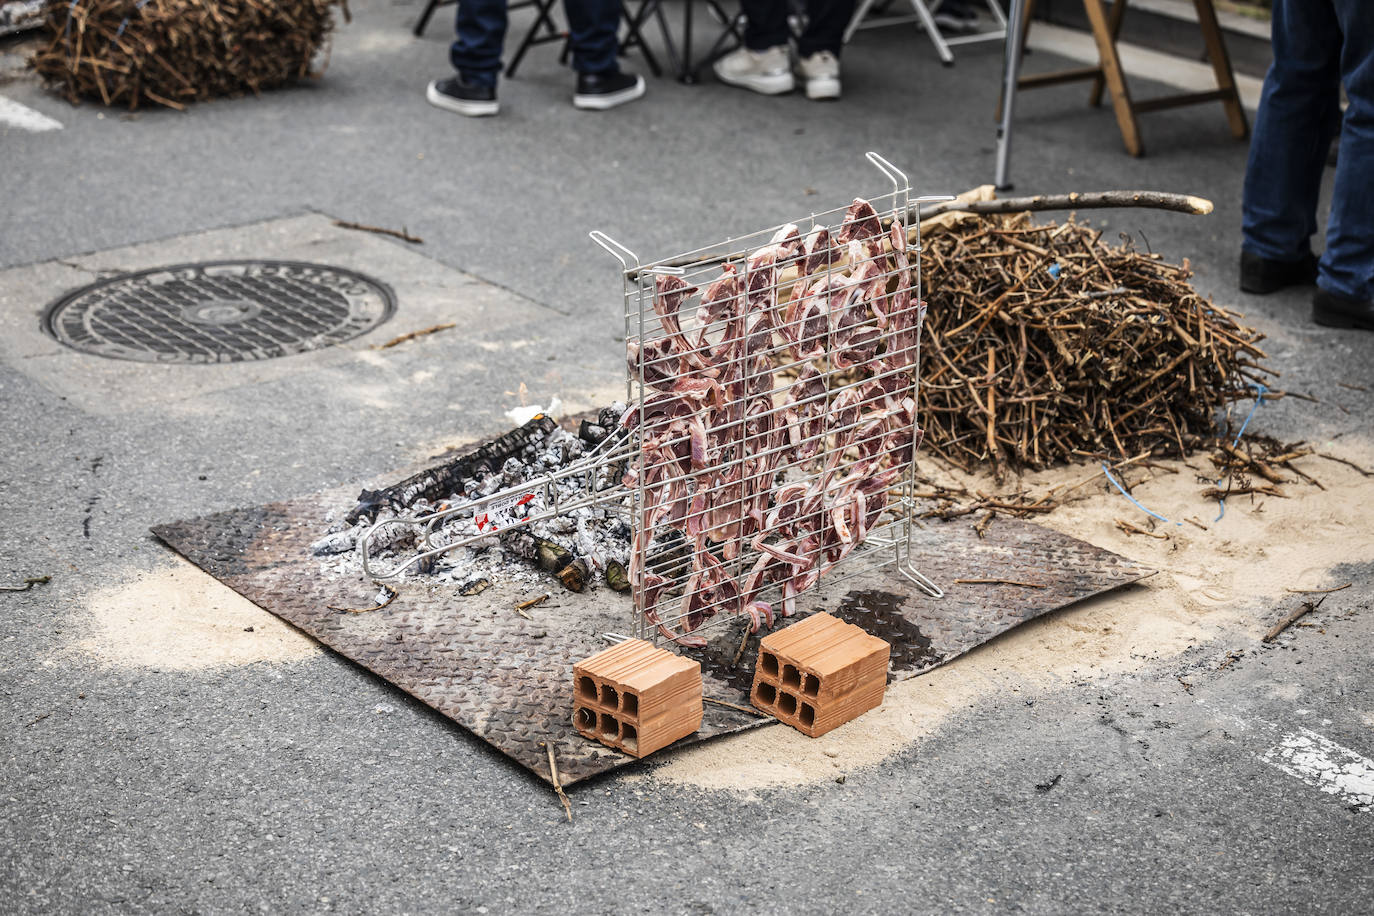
{"points": [[476, 54], [1298, 115], [1347, 266], [765, 24], [825, 24], [592, 28]]}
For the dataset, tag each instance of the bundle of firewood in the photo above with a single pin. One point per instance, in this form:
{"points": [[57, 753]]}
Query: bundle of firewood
{"points": [[126, 52], [1044, 344]]}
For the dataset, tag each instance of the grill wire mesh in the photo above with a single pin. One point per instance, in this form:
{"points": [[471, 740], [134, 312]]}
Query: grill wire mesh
{"points": [[773, 388]]}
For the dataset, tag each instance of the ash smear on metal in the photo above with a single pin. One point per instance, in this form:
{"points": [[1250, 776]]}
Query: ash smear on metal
{"points": [[506, 677]]}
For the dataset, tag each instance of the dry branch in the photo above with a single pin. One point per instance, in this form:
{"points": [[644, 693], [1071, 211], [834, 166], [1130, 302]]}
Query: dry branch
{"points": [[127, 52]]}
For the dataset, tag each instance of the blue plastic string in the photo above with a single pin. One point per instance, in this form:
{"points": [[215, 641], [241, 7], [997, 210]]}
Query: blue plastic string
{"points": [[1106, 470], [1260, 391]]}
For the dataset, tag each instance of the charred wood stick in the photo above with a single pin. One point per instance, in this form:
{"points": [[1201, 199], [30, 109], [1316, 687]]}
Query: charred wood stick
{"points": [[1291, 618], [29, 583], [999, 582], [558, 783], [1319, 591], [401, 234], [1135, 529], [447, 478], [411, 335], [752, 712]]}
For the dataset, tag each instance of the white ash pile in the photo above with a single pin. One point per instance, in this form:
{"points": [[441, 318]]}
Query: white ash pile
{"points": [[583, 547]]}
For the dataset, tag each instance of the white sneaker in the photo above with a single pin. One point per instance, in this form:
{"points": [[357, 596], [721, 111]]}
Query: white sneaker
{"points": [[821, 71], [768, 72]]}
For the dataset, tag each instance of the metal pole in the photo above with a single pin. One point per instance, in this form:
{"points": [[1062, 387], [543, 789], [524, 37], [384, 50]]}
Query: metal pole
{"points": [[1011, 69]]}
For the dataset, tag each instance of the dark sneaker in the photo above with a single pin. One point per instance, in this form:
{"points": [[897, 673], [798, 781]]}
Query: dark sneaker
{"points": [[1336, 311], [457, 94], [600, 91], [1263, 276]]}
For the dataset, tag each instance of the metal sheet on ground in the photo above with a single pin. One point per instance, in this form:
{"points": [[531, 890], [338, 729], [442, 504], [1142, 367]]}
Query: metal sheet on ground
{"points": [[507, 678]]}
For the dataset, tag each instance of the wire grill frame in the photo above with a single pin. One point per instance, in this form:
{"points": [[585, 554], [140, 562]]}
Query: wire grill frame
{"points": [[673, 459]]}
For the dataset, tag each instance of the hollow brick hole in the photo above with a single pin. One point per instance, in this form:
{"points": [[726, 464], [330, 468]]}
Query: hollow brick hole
{"points": [[766, 694], [609, 726], [586, 689], [787, 704], [791, 677], [586, 719], [770, 664], [808, 715], [629, 704], [609, 697], [811, 685], [629, 737]]}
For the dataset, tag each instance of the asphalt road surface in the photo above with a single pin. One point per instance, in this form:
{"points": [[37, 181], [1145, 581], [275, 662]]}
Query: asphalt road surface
{"points": [[305, 784]]}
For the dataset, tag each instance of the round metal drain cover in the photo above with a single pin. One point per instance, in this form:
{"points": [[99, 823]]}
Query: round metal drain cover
{"points": [[220, 311]]}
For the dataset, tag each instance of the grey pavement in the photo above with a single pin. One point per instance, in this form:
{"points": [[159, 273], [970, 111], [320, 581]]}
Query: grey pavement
{"points": [[279, 787]]}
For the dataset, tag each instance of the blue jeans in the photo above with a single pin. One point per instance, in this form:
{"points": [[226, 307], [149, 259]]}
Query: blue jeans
{"points": [[481, 26], [1318, 44], [766, 25]]}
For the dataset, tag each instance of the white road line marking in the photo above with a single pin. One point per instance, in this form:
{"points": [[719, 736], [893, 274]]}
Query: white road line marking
{"points": [[12, 114], [1323, 764]]}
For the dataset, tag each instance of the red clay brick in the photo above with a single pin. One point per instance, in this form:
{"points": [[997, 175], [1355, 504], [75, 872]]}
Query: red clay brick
{"points": [[819, 673], [636, 698]]}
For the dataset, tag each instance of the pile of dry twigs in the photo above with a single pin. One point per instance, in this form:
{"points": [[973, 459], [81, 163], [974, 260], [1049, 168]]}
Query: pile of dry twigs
{"points": [[1043, 344], [126, 52]]}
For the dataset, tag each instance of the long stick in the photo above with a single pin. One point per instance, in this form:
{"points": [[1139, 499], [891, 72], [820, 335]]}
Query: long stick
{"points": [[558, 783], [1091, 200]]}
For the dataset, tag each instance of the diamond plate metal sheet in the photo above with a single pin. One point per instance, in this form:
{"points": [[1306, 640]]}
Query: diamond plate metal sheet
{"points": [[508, 679], [219, 311]]}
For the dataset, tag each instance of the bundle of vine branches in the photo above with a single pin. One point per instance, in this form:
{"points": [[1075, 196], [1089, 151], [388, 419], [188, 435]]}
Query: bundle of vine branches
{"points": [[125, 52], [1043, 344]]}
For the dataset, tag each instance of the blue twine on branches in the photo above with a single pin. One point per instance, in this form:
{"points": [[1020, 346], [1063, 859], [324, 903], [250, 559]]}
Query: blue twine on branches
{"points": [[1260, 391], [1106, 470]]}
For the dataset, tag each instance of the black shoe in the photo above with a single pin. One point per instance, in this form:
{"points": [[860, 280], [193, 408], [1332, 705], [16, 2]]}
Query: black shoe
{"points": [[457, 94], [1336, 311], [1261, 275], [600, 91]]}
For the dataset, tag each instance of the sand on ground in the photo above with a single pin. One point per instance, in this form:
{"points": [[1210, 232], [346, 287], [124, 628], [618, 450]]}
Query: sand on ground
{"points": [[1213, 584]]}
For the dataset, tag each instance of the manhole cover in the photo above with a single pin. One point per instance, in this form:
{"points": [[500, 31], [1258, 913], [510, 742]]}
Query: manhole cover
{"points": [[219, 311]]}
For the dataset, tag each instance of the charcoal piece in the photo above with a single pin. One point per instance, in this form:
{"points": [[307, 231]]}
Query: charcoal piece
{"points": [[447, 479], [591, 432]]}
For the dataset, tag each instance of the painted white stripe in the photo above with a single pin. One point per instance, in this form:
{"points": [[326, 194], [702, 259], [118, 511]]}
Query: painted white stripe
{"points": [[1323, 764], [12, 114]]}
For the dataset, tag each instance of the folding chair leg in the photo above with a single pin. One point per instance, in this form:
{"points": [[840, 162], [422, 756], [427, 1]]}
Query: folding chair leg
{"points": [[1221, 66], [423, 21], [1114, 20], [1116, 82], [854, 20], [933, 32], [543, 21], [734, 28]]}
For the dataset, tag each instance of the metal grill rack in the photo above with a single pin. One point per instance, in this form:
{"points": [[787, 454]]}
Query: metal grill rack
{"points": [[772, 423], [773, 382]]}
